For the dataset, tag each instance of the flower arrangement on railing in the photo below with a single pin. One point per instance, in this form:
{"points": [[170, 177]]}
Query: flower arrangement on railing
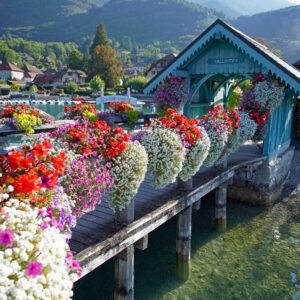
{"points": [[23, 117], [260, 101], [103, 163], [35, 220], [196, 145], [120, 112], [171, 93], [246, 130], [79, 111], [218, 126], [166, 154]]}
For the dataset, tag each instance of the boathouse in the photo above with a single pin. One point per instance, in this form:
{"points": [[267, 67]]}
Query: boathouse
{"points": [[210, 64]]}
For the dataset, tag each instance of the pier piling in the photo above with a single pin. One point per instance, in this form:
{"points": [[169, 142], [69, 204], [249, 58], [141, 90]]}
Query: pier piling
{"points": [[183, 243], [124, 274], [220, 209]]}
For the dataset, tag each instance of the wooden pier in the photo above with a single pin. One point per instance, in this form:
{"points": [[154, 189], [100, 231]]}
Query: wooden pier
{"points": [[101, 235]]}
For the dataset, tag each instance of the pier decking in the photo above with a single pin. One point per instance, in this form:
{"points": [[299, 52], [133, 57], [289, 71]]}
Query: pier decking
{"points": [[97, 238]]}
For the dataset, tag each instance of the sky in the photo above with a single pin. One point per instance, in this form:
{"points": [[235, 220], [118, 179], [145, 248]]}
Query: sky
{"points": [[295, 1]]}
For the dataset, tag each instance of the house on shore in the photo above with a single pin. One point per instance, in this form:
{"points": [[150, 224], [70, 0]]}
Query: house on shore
{"points": [[26, 58], [69, 75], [297, 64], [159, 65], [9, 71], [30, 72]]}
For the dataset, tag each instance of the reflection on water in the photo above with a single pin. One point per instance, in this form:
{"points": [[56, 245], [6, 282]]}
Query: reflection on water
{"points": [[257, 258]]}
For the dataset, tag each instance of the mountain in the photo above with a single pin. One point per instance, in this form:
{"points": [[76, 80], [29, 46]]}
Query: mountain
{"points": [[144, 21], [235, 8], [280, 28], [22, 13]]}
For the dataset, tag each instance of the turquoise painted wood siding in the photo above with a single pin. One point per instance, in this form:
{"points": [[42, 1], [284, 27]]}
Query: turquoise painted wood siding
{"points": [[222, 58], [279, 127]]}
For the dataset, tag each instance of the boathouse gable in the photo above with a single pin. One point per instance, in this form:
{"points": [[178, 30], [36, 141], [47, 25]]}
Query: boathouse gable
{"points": [[222, 54]]}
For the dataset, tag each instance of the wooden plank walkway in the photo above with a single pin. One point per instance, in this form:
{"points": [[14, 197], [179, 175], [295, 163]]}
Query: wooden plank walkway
{"points": [[97, 238]]}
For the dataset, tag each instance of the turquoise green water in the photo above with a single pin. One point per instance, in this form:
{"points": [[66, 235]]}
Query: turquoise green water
{"points": [[257, 258]]}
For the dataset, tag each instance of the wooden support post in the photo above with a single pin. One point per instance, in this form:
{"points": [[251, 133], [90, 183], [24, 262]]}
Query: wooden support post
{"points": [[183, 243], [124, 274], [185, 186], [197, 205], [220, 209], [142, 244], [125, 216]]}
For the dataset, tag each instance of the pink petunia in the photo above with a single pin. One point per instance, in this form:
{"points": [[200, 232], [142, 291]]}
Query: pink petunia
{"points": [[6, 237], [34, 269]]}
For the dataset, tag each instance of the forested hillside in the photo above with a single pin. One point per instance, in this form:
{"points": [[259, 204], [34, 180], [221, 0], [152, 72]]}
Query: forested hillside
{"points": [[281, 29]]}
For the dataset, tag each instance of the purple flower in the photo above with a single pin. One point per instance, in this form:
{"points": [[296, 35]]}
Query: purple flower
{"points": [[34, 269], [6, 237]]}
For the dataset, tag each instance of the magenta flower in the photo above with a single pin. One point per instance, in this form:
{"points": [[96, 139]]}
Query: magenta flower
{"points": [[34, 269], [6, 237]]}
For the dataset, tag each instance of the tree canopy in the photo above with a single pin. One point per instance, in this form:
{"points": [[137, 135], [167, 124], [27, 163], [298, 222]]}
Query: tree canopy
{"points": [[97, 83], [100, 37], [75, 60], [106, 65]]}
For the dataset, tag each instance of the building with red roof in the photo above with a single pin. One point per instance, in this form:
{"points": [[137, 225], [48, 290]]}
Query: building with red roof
{"points": [[10, 71]]}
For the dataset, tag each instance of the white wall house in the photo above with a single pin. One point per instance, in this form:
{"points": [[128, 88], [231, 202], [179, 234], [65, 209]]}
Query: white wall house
{"points": [[69, 75], [10, 71]]}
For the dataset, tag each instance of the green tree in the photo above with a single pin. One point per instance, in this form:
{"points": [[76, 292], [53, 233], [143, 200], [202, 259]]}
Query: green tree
{"points": [[100, 38], [97, 83], [33, 88], [14, 88], [106, 65], [136, 83], [75, 60], [71, 88]]}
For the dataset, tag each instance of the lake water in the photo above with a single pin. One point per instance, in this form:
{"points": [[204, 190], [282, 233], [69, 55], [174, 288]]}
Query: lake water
{"points": [[257, 258]]}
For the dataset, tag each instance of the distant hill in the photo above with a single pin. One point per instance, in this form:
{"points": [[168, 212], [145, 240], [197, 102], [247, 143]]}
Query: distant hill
{"points": [[281, 29], [236, 8], [22, 13], [143, 20]]}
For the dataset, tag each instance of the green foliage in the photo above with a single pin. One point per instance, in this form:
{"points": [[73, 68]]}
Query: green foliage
{"points": [[91, 116], [33, 88], [75, 60], [57, 51], [97, 83], [100, 37], [14, 88], [136, 83], [106, 65], [71, 87], [133, 115], [233, 100], [246, 85]]}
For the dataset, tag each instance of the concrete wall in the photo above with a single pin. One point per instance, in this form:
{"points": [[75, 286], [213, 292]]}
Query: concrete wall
{"points": [[262, 186]]}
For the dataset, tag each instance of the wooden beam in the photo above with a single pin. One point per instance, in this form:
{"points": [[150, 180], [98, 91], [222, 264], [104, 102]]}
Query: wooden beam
{"points": [[197, 205], [142, 244], [124, 274], [183, 243], [220, 209]]}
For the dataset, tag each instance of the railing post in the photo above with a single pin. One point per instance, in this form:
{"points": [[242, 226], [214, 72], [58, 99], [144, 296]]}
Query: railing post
{"points": [[183, 243], [220, 208], [125, 216]]}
